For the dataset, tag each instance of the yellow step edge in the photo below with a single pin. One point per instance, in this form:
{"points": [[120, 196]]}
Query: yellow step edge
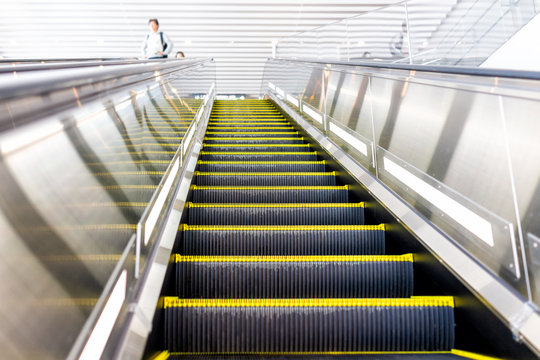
{"points": [[186, 227], [142, 145], [254, 138], [155, 137], [427, 301], [129, 162], [206, 162], [257, 145], [198, 173], [257, 153], [88, 257], [165, 354], [120, 187], [280, 205], [98, 227], [285, 259], [210, 132], [145, 152], [251, 127], [109, 204], [223, 123], [470, 355], [122, 173], [150, 132], [197, 187]]}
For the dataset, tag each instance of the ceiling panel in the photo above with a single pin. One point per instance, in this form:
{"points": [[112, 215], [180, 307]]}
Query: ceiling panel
{"points": [[237, 33]]}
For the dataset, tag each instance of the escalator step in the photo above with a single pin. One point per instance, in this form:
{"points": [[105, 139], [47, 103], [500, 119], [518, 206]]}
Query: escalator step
{"points": [[257, 147], [250, 124], [247, 135], [270, 194], [344, 355], [281, 240], [261, 166], [257, 140], [276, 214], [284, 277], [264, 179], [254, 129], [285, 325], [258, 156]]}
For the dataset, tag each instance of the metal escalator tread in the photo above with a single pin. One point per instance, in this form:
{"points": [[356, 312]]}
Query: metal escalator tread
{"points": [[274, 261], [258, 156], [281, 240], [212, 325], [270, 194], [265, 178], [276, 214], [257, 277]]}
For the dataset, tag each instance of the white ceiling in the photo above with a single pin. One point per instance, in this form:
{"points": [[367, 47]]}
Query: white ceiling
{"points": [[237, 33]]}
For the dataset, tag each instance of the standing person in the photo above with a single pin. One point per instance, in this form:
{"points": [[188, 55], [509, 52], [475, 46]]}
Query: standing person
{"points": [[399, 46], [156, 44]]}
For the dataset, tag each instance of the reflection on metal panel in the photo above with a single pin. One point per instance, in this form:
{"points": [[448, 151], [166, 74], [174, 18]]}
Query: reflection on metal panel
{"points": [[479, 158], [74, 186]]}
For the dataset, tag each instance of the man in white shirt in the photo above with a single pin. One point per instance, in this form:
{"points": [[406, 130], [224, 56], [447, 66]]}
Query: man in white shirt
{"points": [[156, 44]]}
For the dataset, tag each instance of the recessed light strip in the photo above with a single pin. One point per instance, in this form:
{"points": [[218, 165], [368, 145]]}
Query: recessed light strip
{"points": [[470, 220]]}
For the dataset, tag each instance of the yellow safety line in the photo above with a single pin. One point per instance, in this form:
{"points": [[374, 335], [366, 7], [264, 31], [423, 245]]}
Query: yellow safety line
{"points": [[251, 128], [206, 162], [121, 173], [470, 355], [156, 137], [287, 259], [120, 187], [223, 123], [255, 138], [186, 227], [164, 355], [198, 173], [161, 356], [86, 302], [258, 153], [150, 132], [130, 162], [424, 301], [89, 257], [197, 187], [240, 133], [276, 205], [146, 152], [109, 204], [257, 145], [99, 227]]}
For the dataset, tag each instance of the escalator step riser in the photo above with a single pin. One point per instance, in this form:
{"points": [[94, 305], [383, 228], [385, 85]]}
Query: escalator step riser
{"points": [[290, 279], [288, 329], [258, 140], [253, 129], [258, 157], [259, 148], [262, 167], [265, 180], [281, 243], [247, 135], [270, 196], [276, 216]]}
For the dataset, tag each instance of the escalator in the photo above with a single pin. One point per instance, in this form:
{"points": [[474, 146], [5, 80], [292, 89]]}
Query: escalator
{"points": [[276, 257]]}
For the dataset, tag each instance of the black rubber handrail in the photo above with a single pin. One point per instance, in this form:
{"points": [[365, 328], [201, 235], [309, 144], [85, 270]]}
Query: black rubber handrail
{"points": [[454, 70], [38, 65], [52, 81]]}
